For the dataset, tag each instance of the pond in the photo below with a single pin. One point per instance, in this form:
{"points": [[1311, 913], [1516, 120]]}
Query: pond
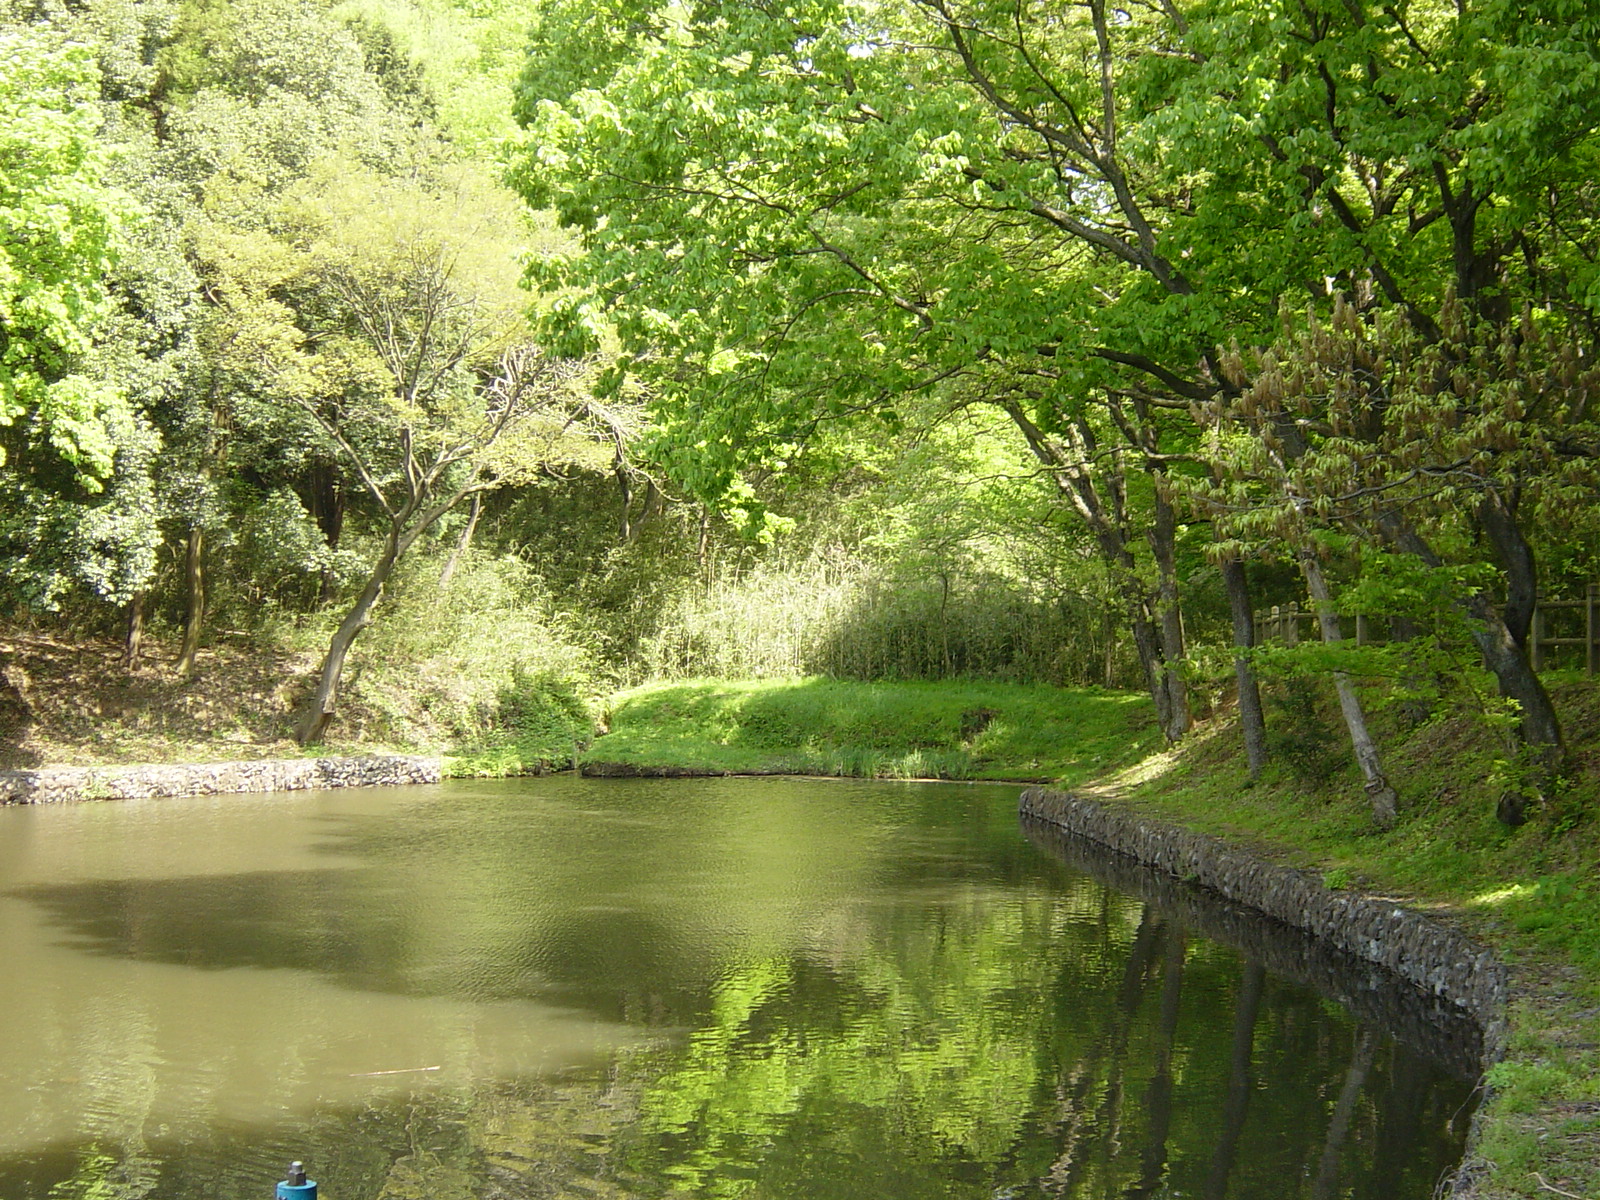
{"points": [[637, 988]]}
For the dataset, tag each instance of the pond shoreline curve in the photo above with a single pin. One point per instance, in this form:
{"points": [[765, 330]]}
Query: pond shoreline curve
{"points": [[1432, 956]]}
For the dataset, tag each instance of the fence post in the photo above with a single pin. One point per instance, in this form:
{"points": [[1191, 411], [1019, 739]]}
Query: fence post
{"points": [[1591, 632], [1293, 622], [1275, 624], [1361, 629], [1538, 639]]}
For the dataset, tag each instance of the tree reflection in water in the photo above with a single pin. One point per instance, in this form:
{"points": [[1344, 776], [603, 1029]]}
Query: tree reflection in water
{"points": [[738, 988]]}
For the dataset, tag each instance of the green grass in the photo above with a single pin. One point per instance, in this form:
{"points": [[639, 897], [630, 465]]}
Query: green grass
{"points": [[1534, 889], [540, 723], [504, 758], [877, 730]]}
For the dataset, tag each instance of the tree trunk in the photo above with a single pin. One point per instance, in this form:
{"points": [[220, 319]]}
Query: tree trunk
{"points": [[1501, 638], [1147, 645], [1158, 1099], [319, 715], [194, 578], [1538, 728], [1385, 803], [1498, 521], [1504, 645], [1252, 719], [628, 526], [1172, 712], [1343, 1113], [326, 501], [1163, 544], [1070, 458], [625, 487], [133, 640], [1147, 941], [702, 547], [944, 625], [652, 505], [446, 575], [1084, 1095]]}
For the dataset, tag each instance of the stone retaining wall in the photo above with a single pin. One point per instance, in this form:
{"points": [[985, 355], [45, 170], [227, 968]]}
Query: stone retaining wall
{"points": [[1429, 1025], [1434, 957], [56, 784]]}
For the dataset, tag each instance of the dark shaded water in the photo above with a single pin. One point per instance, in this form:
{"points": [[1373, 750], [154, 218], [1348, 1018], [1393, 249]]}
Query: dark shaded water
{"points": [[759, 988]]}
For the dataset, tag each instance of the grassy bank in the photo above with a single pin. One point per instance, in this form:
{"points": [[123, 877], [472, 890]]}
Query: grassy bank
{"points": [[874, 730], [75, 702]]}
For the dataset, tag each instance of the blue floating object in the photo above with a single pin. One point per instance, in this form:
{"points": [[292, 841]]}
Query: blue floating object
{"points": [[297, 1186]]}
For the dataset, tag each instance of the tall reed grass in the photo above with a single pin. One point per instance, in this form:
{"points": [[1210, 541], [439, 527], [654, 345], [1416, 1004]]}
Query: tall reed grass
{"points": [[854, 620]]}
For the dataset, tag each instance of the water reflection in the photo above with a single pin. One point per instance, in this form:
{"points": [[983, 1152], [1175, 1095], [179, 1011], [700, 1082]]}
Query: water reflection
{"points": [[731, 988], [1439, 1031]]}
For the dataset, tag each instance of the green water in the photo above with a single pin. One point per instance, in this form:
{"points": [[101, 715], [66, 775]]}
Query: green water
{"points": [[759, 988]]}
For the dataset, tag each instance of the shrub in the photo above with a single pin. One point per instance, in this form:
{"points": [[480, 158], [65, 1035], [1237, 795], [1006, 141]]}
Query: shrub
{"points": [[1299, 735]]}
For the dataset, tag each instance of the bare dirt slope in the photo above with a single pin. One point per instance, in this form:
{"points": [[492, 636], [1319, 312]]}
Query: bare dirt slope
{"points": [[66, 702]]}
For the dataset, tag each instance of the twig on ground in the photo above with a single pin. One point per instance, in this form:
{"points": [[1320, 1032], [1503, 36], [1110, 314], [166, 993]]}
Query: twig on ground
{"points": [[1550, 1187]]}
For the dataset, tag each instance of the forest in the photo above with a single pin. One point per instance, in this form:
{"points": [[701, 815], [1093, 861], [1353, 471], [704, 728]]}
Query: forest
{"points": [[1189, 398], [461, 362]]}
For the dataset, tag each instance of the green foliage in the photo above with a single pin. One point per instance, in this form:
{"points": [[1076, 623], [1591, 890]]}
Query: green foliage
{"points": [[76, 454], [272, 557], [1299, 734], [853, 620], [836, 226], [401, 78], [939, 558], [259, 91], [462, 55], [540, 721], [434, 674], [58, 225]]}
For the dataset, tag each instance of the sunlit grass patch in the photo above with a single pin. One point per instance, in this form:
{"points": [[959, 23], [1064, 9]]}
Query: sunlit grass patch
{"points": [[1499, 896], [950, 730]]}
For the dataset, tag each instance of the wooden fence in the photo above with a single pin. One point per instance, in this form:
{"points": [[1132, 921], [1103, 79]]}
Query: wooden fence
{"points": [[1282, 624], [1587, 626]]}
